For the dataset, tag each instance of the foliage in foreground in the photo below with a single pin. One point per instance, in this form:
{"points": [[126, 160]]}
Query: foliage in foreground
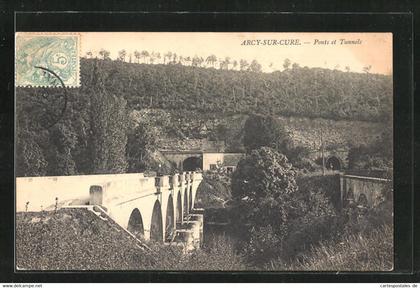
{"points": [[75, 239], [367, 251], [264, 190]]}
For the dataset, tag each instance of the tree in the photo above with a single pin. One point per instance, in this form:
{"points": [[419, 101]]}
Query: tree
{"points": [[140, 142], [187, 60], [104, 54], [152, 57], [108, 127], [30, 158], [63, 140], [366, 69], [226, 62], [264, 189], [234, 64], [266, 131], [121, 55], [181, 60], [195, 61], [295, 66], [158, 56], [212, 59], [243, 65], [255, 66], [376, 155], [137, 55], [286, 63], [168, 55], [144, 54]]}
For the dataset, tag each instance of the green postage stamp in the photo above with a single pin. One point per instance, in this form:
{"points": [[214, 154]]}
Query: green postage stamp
{"points": [[47, 59]]}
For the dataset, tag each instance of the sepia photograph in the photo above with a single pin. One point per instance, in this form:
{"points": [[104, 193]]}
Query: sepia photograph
{"points": [[204, 151]]}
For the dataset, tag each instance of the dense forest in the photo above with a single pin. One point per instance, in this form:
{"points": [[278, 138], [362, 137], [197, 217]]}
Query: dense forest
{"points": [[90, 129], [307, 92]]}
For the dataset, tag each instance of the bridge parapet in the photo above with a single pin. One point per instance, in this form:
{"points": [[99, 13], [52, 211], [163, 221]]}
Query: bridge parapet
{"points": [[41, 192], [162, 181]]}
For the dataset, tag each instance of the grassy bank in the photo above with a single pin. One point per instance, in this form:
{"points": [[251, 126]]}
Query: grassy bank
{"points": [[368, 251], [76, 239]]}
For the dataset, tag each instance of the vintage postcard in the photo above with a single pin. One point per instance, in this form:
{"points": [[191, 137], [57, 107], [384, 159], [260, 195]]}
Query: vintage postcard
{"points": [[204, 151]]}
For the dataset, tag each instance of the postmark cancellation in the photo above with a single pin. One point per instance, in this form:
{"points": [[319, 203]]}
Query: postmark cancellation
{"points": [[38, 53]]}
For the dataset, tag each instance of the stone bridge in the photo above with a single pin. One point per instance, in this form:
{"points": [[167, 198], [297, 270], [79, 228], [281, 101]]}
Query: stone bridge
{"points": [[151, 208], [364, 191]]}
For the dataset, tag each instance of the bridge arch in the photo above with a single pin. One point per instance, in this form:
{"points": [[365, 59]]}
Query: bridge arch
{"points": [[334, 163], [170, 219], [179, 209], [190, 203], [363, 201], [192, 163], [185, 204], [156, 225], [135, 224]]}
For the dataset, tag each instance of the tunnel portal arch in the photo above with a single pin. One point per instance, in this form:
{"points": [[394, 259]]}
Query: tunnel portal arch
{"points": [[333, 163], [192, 163], [135, 224], [156, 227]]}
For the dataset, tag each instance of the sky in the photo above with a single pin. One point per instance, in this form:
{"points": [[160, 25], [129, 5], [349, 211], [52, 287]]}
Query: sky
{"points": [[315, 49]]}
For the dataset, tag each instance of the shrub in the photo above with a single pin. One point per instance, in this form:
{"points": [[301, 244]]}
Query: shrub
{"points": [[263, 245], [219, 255], [264, 190], [306, 234]]}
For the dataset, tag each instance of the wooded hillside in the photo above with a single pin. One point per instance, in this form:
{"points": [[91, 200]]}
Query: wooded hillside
{"points": [[297, 91], [175, 102]]}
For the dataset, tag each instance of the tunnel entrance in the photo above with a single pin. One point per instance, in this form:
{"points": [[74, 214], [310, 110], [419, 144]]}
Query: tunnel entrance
{"points": [[179, 210], [185, 204], [135, 224], [156, 227], [170, 219], [192, 164], [333, 163]]}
